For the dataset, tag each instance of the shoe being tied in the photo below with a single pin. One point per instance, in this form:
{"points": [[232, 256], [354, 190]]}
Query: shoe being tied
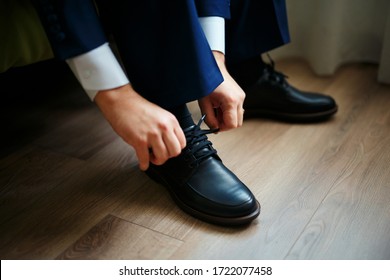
{"points": [[203, 186], [273, 97]]}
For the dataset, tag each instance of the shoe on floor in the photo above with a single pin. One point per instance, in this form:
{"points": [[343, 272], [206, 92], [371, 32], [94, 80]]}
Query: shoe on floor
{"points": [[203, 186], [273, 97]]}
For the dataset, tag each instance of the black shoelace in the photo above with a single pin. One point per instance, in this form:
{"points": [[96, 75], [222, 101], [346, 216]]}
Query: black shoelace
{"points": [[198, 146], [272, 75]]}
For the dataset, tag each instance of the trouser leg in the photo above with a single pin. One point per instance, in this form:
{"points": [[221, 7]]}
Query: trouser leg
{"points": [[255, 27], [163, 49]]}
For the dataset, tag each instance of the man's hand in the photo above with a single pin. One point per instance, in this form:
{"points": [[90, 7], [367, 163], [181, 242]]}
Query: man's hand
{"points": [[153, 132], [223, 107]]}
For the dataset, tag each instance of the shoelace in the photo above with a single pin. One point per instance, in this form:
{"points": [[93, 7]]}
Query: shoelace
{"points": [[271, 74], [198, 146]]}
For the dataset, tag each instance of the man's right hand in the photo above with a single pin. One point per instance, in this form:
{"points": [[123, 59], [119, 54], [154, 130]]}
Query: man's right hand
{"points": [[153, 132]]}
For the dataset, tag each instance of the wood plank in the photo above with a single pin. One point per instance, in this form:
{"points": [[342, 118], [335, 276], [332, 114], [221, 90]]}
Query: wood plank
{"points": [[28, 178], [82, 134], [353, 220], [65, 213], [152, 207], [114, 238]]}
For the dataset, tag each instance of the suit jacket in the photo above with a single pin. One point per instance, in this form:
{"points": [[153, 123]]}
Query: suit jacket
{"points": [[74, 27], [161, 43]]}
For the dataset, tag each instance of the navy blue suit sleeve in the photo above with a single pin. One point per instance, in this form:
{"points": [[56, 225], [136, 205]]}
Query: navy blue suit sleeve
{"points": [[72, 26], [219, 8]]}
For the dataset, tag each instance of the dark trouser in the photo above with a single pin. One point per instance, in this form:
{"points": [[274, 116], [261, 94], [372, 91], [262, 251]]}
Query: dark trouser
{"points": [[165, 53], [255, 27]]}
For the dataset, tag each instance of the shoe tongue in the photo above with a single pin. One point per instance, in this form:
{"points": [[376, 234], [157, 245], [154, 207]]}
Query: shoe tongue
{"points": [[271, 74], [198, 144], [201, 147], [204, 153], [204, 150]]}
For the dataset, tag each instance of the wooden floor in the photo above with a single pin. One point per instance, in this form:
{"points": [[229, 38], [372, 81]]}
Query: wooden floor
{"points": [[71, 189]]}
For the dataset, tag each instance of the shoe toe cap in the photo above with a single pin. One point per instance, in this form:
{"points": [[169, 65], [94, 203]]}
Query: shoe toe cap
{"points": [[218, 191]]}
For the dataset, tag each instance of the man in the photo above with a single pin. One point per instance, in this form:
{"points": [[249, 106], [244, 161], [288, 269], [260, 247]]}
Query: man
{"points": [[173, 52]]}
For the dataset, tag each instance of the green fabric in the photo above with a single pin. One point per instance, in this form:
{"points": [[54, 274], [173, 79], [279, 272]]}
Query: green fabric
{"points": [[22, 38]]}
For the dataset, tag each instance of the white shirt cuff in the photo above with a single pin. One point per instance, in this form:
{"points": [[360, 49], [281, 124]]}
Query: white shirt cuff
{"points": [[214, 30], [97, 70]]}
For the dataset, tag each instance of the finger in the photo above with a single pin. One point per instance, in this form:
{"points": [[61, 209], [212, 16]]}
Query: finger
{"points": [[172, 144], [219, 115], [160, 152], [229, 119], [181, 137], [143, 155], [240, 116]]}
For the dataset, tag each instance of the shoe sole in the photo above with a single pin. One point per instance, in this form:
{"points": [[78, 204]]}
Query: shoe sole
{"points": [[310, 117], [223, 221]]}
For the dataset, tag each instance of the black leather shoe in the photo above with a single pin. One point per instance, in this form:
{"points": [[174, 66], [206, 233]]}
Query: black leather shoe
{"points": [[202, 186], [273, 97]]}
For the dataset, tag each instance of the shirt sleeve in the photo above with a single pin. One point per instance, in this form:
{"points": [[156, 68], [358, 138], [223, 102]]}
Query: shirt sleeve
{"points": [[214, 30], [97, 70]]}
